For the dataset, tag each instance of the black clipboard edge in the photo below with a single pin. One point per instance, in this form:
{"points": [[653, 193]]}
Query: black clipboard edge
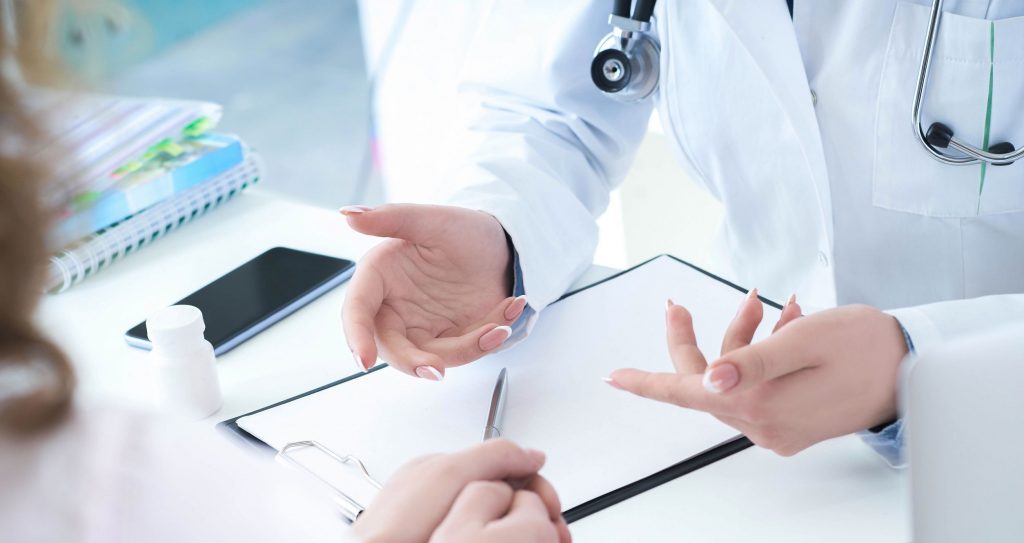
{"points": [[231, 425], [679, 260], [693, 463], [706, 458]]}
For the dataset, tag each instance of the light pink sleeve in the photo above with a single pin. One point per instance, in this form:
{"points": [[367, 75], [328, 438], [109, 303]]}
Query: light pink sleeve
{"points": [[112, 476]]}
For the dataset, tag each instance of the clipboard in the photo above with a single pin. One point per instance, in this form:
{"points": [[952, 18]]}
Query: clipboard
{"points": [[694, 461]]}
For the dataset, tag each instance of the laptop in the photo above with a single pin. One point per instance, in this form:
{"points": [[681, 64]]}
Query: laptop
{"points": [[965, 438]]}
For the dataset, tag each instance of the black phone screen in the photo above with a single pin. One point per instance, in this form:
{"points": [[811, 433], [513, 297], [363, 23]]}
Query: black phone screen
{"points": [[258, 293]]}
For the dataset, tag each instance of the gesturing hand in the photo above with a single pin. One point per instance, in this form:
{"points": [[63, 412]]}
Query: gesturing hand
{"points": [[814, 378], [434, 296], [489, 492]]}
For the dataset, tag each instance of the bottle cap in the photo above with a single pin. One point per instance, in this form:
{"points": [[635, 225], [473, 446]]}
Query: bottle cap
{"points": [[174, 324]]}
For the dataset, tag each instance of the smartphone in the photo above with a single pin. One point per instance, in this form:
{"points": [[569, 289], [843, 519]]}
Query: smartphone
{"points": [[255, 295]]}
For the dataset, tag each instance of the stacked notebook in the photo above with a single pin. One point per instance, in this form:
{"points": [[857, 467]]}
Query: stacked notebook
{"points": [[134, 170]]}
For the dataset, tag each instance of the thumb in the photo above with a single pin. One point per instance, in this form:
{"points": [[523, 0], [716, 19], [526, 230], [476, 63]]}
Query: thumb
{"points": [[417, 223], [750, 366], [479, 502], [496, 460]]}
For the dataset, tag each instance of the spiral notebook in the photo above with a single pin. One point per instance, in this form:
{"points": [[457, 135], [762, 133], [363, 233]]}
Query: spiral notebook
{"points": [[98, 134], [603, 445], [107, 246]]}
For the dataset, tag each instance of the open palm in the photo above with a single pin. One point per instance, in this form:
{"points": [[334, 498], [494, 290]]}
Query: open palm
{"points": [[435, 295]]}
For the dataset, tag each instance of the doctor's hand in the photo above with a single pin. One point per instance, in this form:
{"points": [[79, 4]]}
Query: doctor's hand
{"points": [[433, 296], [490, 492], [816, 377]]}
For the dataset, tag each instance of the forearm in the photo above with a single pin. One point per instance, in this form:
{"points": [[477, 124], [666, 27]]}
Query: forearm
{"points": [[543, 148]]}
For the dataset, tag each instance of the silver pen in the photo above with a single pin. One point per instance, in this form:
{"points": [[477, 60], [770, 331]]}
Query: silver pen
{"points": [[496, 414]]}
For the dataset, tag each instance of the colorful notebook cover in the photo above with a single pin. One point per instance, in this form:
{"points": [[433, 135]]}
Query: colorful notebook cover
{"points": [[101, 250], [169, 170]]}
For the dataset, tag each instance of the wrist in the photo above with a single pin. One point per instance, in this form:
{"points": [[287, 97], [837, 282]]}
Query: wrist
{"points": [[896, 338], [508, 256], [908, 345]]}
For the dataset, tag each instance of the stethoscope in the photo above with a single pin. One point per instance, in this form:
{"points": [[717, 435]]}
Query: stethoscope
{"points": [[940, 136], [625, 64], [626, 67]]}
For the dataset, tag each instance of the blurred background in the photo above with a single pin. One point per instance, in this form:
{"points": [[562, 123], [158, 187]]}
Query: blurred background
{"points": [[352, 101]]}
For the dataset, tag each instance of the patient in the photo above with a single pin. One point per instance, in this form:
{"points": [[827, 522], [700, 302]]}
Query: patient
{"points": [[76, 472]]}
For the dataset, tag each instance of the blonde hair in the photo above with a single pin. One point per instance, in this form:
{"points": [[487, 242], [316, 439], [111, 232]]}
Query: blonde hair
{"points": [[36, 379]]}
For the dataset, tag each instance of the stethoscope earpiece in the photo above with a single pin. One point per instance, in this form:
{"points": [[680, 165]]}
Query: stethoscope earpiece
{"points": [[939, 135]]}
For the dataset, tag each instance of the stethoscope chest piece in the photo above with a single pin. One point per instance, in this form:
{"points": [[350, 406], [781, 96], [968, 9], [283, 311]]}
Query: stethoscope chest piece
{"points": [[626, 61], [626, 67]]}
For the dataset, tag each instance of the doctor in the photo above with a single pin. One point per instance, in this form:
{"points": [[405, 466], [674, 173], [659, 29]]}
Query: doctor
{"points": [[797, 117]]}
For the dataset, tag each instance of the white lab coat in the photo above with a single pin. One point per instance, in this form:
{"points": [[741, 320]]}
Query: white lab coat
{"points": [[826, 194]]}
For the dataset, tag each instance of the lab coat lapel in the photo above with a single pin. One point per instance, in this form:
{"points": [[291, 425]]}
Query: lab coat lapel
{"points": [[766, 31]]}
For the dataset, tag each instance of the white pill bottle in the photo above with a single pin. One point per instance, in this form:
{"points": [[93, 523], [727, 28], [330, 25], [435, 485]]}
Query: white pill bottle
{"points": [[183, 363]]}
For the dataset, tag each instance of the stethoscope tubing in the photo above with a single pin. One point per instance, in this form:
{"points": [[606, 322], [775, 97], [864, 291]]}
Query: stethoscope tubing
{"points": [[972, 154]]}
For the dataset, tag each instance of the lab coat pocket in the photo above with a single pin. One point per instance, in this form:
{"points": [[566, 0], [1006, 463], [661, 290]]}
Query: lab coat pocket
{"points": [[976, 87]]}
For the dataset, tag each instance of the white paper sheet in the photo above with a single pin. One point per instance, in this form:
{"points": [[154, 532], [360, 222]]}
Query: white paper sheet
{"points": [[597, 438]]}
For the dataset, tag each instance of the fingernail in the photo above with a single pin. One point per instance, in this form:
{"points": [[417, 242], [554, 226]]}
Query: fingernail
{"points": [[494, 338], [751, 294], [354, 210], [516, 308], [669, 304], [537, 457], [721, 378], [791, 300], [612, 382], [429, 373], [359, 362]]}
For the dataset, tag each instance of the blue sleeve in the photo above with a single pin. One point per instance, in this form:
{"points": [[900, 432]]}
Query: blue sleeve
{"points": [[519, 290], [888, 442]]}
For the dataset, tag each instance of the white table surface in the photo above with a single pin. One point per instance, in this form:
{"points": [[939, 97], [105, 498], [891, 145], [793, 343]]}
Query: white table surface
{"points": [[837, 491]]}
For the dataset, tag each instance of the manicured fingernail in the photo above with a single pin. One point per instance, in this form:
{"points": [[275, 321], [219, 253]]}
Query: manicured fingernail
{"points": [[359, 362], [668, 304], [721, 378], [515, 309], [751, 295], [791, 300], [537, 457], [612, 382], [429, 373], [354, 210], [493, 339]]}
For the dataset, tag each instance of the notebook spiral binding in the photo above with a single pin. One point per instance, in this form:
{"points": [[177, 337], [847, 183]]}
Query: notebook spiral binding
{"points": [[102, 249]]}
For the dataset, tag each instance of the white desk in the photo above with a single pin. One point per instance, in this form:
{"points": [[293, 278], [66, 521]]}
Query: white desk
{"points": [[837, 491]]}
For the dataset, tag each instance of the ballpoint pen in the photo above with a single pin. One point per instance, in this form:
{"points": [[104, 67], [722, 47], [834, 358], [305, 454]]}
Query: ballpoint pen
{"points": [[496, 414]]}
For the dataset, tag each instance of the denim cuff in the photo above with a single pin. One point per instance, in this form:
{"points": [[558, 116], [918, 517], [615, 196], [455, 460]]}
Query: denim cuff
{"points": [[518, 290], [888, 443]]}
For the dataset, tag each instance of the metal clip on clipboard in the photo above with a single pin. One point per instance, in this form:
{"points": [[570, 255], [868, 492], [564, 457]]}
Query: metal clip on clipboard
{"points": [[350, 508]]}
